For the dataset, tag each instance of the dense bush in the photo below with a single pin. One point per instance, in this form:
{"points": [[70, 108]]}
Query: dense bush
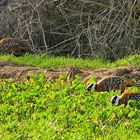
{"points": [[40, 109], [80, 28]]}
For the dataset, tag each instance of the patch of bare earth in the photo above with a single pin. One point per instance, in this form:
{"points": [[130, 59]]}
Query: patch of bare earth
{"points": [[19, 72]]}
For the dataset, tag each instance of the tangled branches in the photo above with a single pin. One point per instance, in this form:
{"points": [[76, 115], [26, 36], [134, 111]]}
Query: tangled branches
{"points": [[81, 28]]}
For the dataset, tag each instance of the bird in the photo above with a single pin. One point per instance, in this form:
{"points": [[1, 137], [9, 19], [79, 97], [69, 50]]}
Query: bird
{"points": [[125, 97], [14, 46], [111, 83]]}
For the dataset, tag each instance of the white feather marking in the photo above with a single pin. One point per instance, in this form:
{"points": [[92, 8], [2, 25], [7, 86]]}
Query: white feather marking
{"points": [[112, 99], [93, 87], [117, 100]]}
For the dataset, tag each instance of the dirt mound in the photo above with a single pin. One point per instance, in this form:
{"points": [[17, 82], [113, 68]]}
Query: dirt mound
{"points": [[19, 72], [7, 63]]}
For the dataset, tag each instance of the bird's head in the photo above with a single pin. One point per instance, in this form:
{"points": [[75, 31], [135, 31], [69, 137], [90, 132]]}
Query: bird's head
{"points": [[91, 87], [115, 100]]}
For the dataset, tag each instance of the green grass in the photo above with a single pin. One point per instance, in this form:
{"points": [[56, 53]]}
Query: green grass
{"points": [[44, 61], [47, 110], [39, 109]]}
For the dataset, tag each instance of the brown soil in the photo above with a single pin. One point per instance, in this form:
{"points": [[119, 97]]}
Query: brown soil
{"points": [[19, 72]]}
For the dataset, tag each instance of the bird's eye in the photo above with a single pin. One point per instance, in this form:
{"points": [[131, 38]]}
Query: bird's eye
{"points": [[114, 100]]}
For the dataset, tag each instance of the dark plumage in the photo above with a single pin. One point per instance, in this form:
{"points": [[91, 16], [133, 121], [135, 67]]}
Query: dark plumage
{"points": [[111, 83], [125, 97], [14, 46]]}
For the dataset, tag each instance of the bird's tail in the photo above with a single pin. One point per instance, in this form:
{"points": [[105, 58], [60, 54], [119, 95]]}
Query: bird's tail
{"points": [[131, 82]]}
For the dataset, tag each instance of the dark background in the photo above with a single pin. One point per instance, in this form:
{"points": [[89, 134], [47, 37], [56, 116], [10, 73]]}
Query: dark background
{"points": [[78, 28]]}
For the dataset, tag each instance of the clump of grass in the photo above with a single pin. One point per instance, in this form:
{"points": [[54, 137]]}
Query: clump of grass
{"points": [[40, 109], [132, 60], [45, 61]]}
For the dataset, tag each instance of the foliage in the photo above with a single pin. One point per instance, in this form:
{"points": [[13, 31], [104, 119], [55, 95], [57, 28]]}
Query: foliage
{"points": [[41, 109]]}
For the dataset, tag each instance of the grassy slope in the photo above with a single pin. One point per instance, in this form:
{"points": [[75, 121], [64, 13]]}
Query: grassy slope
{"points": [[58, 110], [56, 62]]}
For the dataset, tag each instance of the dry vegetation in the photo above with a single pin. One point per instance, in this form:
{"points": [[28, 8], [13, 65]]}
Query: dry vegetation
{"points": [[80, 28], [20, 72]]}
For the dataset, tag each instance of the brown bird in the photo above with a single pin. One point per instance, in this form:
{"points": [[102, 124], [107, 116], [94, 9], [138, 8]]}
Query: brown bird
{"points": [[112, 83], [14, 46], [124, 98]]}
